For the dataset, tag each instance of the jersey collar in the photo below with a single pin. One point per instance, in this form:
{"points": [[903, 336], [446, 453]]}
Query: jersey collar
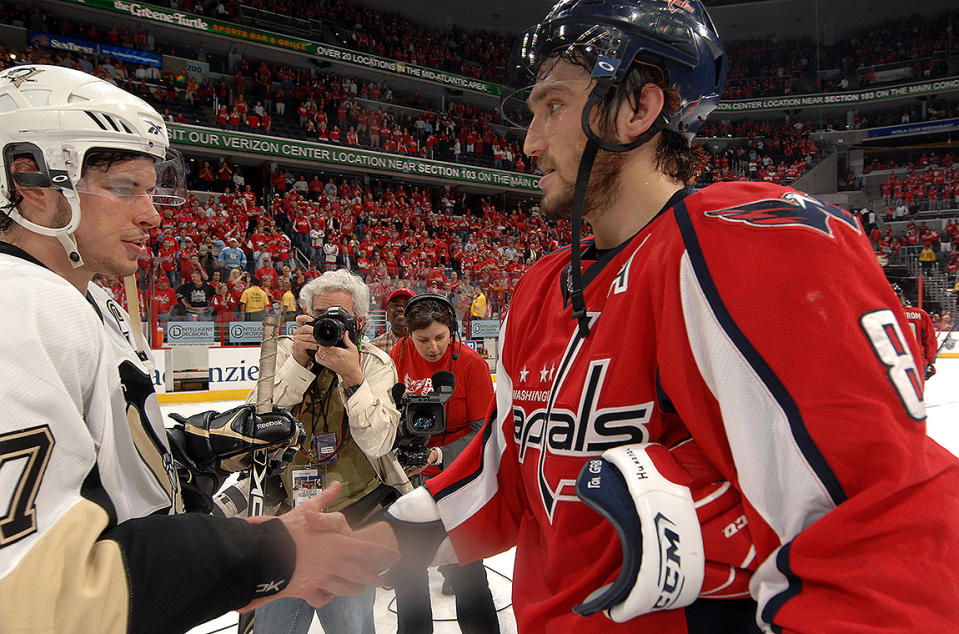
{"points": [[599, 258]]}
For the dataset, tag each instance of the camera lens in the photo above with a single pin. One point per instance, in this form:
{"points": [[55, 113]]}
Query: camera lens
{"points": [[328, 332], [423, 420]]}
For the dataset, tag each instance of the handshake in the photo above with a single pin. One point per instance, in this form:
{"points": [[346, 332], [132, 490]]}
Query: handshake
{"points": [[331, 558]]}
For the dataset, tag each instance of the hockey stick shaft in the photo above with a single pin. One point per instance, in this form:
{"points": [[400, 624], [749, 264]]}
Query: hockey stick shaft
{"points": [[133, 309], [264, 405]]}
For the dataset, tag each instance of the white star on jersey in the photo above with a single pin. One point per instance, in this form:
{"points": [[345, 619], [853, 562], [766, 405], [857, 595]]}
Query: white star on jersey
{"points": [[522, 374], [543, 374]]}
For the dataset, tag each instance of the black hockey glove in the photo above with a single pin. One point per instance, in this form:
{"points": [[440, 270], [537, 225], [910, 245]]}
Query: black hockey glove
{"points": [[209, 446], [930, 371]]}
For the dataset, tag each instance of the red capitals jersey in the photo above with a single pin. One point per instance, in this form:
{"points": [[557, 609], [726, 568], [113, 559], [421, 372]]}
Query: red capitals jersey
{"points": [[755, 320], [920, 324]]}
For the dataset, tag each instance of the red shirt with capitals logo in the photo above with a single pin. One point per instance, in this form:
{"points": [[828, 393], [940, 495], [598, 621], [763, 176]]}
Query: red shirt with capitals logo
{"points": [[471, 394], [706, 328]]}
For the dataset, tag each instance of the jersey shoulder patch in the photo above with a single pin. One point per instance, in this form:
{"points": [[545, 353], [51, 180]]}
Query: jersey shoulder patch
{"points": [[790, 209]]}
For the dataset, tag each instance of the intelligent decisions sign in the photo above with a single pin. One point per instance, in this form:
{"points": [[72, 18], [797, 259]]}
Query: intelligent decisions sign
{"points": [[225, 140]]}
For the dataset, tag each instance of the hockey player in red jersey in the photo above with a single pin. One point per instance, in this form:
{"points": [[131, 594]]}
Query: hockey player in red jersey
{"points": [[920, 323], [708, 417]]}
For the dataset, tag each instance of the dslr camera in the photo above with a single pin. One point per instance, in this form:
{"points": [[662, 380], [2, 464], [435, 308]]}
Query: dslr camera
{"points": [[421, 416], [328, 328]]}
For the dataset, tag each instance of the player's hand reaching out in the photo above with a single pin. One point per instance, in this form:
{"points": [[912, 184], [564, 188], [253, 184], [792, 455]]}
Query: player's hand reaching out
{"points": [[331, 558]]}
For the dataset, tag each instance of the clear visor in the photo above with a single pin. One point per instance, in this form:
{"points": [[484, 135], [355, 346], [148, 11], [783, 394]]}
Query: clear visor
{"points": [[164, 186], [596, 48], [520, 106]]}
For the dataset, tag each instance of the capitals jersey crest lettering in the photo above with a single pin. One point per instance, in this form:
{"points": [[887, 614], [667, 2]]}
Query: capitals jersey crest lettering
{"points": [[547, 429]]}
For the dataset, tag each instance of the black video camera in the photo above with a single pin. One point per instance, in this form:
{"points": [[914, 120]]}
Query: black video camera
{"points": [[421, 416], [328, 328]]}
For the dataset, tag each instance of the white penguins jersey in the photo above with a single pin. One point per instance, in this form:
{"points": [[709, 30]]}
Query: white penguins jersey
{"points": [[148, 475], [88, 538]]}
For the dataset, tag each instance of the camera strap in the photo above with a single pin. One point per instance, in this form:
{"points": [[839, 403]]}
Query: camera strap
{"points": [[318, 406]]}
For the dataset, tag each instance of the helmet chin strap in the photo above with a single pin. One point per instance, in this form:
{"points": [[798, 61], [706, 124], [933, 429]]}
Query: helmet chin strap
{"points": [[593, 145], [65, 235]]}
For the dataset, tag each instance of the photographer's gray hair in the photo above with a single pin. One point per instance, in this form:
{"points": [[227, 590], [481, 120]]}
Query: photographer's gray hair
{"points": [[338, 280]]}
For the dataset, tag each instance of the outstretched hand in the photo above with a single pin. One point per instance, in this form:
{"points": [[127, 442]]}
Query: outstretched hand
{"points": [[331, 558]]}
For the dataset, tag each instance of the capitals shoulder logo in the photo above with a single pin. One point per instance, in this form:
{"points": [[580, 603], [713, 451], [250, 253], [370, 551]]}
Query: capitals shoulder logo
{"points": [[792, 209]]}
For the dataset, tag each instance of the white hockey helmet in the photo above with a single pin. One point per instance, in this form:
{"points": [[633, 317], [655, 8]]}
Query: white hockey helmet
{"points": [[56, 116]]}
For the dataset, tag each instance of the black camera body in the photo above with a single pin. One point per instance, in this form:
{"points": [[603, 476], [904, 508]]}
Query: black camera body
{"points": [[328, 328], [421, 416]]}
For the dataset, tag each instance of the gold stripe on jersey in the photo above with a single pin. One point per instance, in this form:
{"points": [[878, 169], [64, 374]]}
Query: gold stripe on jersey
{"points": [[152, 457], [68, 582]]}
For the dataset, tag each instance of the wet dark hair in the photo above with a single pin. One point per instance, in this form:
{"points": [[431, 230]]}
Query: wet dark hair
{"points": [[674, 154], [104, 159]]}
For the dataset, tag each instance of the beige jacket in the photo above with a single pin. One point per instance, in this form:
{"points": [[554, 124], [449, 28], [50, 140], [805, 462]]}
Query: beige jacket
{"points": [[373, 417]]}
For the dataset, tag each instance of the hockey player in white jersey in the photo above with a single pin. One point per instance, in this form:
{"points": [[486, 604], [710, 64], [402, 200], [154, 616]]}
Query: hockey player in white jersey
{"points": [[91, 539]]}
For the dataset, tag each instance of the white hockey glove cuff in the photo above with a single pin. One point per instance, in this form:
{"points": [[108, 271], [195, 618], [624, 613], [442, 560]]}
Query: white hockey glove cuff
{"points": [[419, 530], [636, 488]]}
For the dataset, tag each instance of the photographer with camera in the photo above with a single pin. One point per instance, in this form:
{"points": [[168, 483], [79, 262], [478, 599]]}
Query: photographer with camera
{"points": [[339, 388], [422, 358]]}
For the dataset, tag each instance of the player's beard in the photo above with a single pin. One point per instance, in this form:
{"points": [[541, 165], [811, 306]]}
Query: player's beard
{"points": [[61, 217], [601, 193]]}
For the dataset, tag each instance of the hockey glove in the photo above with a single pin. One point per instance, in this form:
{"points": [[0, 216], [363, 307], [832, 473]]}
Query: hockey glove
{"points": [[930, 371], [680, 527], [233, 501], [209, 446]]}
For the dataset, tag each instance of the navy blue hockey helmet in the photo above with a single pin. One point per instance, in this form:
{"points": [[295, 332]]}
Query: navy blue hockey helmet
{"points": [[677, 36]]}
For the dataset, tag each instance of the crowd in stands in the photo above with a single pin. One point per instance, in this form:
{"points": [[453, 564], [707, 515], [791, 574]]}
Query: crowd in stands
{"points": [[207, 255], [777, 153], [477, 54], [927, 182], [903, 49], [936, 250], [282, 100], [907, 49], [912, 47]]}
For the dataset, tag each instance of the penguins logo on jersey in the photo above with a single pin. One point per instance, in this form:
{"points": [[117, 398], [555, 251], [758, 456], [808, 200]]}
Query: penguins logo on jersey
{"points": [[793, 209]]}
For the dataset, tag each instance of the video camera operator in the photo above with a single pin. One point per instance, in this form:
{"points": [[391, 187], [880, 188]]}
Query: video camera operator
{"points": [[339, 387], [430, 347]]}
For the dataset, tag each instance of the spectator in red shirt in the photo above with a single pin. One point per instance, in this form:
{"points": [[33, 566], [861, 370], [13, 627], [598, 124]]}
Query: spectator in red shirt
{"points": [[222, 304], [164, 298], [266, 271]]}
